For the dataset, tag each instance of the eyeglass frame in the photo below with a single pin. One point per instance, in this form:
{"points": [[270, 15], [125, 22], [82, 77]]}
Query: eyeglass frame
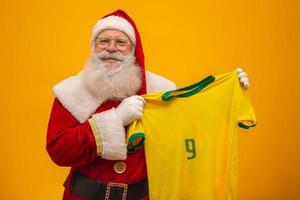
{"points": [[105, 42]]}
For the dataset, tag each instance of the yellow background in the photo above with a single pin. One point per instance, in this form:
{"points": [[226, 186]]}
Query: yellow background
{"points": [[43, 42]]}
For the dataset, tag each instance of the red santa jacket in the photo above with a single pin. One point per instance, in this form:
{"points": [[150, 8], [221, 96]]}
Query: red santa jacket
{"points": [[71, 142]]}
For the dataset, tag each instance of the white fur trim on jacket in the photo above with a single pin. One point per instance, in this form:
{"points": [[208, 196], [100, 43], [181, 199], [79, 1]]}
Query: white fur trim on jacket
{"points": [[79, 101], [76, 98], [112, 135], [157, 83]]}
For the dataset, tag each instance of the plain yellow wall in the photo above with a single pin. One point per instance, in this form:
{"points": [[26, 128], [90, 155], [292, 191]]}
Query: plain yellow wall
{"points": [[43, 42]]}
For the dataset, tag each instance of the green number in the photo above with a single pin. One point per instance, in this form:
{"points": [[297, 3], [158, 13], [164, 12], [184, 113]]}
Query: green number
{"points": [[190, 147]]}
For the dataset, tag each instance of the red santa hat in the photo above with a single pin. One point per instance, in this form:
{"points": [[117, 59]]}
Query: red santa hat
{"points": [[119, 20]]}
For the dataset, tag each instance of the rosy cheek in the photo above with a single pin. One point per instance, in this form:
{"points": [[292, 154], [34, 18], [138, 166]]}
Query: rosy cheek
{"points": [[98, 49], [126, 52]]}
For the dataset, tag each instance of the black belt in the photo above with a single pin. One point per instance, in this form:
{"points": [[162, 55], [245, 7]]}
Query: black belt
{"points": [[91, 189]]}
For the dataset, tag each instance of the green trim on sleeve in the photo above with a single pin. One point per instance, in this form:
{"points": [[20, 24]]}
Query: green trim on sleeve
{"points": [[189, 90], [137, 138], [244, 126]]}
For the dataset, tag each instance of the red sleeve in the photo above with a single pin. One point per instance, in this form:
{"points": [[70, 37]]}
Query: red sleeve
{"points": [[69, 143]]}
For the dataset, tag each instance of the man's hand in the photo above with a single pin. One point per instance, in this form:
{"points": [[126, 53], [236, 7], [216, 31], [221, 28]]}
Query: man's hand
{"points": [[130, 109], [243, 78]]}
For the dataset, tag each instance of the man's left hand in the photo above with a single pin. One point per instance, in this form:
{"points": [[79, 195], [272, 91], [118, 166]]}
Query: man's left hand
{"points": [[243, 78]]}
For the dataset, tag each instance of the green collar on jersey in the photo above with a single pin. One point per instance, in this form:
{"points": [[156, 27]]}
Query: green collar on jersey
{"points": [[189, 90]]}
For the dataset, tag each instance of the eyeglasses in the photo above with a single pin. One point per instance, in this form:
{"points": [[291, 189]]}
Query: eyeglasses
{"points": [[120, 44]]}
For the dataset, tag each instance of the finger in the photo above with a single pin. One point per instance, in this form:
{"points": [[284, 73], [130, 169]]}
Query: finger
{"points": [[246, 85], [243, 80], [140, 102], [242, 75], [141, 99], [139, 115], [239, 70], [140, 109]]}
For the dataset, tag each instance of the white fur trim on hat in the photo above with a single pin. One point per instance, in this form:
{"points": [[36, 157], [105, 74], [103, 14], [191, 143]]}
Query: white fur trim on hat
{"points": [[115, 23]]}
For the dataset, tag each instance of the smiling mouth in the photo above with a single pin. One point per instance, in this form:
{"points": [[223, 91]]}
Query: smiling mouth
{"points": [[109, 59]]}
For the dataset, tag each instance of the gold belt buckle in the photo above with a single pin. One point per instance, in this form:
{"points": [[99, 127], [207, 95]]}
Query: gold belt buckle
{"points": [[121, 185]]}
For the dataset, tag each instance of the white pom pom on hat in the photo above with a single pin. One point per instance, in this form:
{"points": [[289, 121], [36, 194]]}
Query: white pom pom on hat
{"points": [[115, 23]]}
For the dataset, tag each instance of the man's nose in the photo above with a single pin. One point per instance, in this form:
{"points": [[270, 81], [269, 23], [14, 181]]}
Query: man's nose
{"points": [[111, 46]]}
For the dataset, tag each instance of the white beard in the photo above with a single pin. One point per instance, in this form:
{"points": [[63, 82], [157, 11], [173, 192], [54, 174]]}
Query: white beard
{"points": [[114, 81]]}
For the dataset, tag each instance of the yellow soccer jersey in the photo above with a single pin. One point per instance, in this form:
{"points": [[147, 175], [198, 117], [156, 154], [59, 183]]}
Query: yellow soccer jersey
{"points": [[190, 138]]}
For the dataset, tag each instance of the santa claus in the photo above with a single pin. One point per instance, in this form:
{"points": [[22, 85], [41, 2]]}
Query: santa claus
{"points": [[87, 126]]}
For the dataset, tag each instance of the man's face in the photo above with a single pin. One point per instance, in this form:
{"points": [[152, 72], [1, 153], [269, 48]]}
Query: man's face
{"points": [[113, 41]]}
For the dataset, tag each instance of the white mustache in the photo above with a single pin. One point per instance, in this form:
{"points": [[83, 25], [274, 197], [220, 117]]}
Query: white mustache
{"points": [[110, 69], [114, 55]]}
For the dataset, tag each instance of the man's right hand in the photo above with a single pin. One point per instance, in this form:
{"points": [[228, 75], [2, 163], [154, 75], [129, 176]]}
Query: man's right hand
{"points": [[130, 109]]}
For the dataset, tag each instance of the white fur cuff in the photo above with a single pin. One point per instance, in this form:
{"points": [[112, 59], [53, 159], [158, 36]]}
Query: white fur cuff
{"points": [[112, 135]]}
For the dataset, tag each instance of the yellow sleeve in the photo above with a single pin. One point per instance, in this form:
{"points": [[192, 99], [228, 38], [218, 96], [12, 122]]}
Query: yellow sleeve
{"points": [[135, 136], [245, 112]]}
